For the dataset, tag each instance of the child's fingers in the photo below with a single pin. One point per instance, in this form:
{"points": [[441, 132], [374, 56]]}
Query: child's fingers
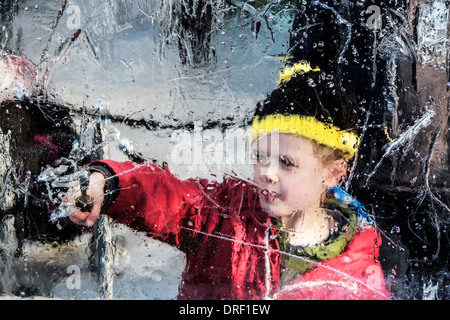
{"points": [[86, 218], [95, 192], [79, 217], [94, 214]]}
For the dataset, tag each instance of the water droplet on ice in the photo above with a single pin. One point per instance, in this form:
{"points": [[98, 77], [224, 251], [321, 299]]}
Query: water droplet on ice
{"points": [[157, 275], [395, 229]]}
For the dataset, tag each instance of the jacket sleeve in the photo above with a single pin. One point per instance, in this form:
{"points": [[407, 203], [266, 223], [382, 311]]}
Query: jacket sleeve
{"points": [[150, 199]]}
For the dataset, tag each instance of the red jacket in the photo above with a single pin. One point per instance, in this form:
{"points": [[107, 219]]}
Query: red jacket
{"points": [[231, 246]]}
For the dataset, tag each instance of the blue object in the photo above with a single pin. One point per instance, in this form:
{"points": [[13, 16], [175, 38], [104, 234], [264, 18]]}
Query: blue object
{"points": [[20, 93], [344, 197]]}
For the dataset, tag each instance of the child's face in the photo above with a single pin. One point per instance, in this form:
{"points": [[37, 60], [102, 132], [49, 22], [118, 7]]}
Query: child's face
{"points": [[289, 175]]}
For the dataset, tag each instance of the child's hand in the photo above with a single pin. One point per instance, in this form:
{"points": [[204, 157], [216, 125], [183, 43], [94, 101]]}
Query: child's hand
{"points": [[95, 191]]}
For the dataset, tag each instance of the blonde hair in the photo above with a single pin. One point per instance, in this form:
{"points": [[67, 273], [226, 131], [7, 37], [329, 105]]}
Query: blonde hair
{"points": [[328, 155]]}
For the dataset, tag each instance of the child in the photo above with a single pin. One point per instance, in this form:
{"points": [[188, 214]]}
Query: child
{"points": [[282, 236]]}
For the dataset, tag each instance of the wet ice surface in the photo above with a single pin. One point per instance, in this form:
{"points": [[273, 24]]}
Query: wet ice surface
{"points": [[126, 75], [121, 62]]}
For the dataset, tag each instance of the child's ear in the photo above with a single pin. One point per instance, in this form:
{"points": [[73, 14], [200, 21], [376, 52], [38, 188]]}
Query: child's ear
{"points": [[337, 173]]}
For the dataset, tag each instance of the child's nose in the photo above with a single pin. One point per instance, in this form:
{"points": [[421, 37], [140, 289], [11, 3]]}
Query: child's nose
{"points": [[271, 174], [272, 179]]}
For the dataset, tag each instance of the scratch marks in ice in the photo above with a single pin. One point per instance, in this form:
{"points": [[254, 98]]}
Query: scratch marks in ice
{"points": [[405, 140]]}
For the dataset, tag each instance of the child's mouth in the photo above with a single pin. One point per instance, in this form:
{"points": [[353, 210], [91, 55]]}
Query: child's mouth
{"points": [[270, 196]]}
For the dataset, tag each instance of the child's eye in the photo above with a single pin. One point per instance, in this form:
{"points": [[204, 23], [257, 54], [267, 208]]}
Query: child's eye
{"points": [[259, 157], [287, 162]]}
